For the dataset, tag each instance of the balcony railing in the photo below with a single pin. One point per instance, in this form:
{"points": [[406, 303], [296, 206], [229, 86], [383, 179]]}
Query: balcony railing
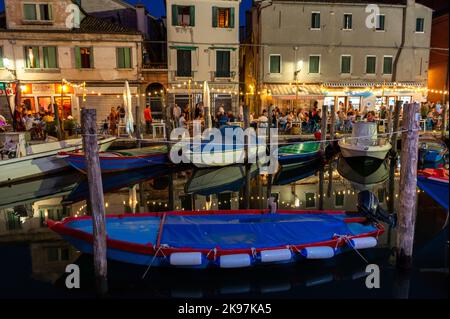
{"points": [[154, 66], [222, 75]]}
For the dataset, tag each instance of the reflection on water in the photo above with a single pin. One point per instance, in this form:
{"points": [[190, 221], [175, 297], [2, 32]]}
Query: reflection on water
{"points": [[36, 258]]}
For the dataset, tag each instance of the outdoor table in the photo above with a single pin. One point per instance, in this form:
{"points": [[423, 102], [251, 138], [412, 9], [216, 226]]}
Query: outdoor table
{"points": [[157, 127]]}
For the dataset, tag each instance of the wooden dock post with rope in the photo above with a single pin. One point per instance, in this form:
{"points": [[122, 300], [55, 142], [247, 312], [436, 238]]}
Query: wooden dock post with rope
{"points": [[96, 199], [408, 186]]}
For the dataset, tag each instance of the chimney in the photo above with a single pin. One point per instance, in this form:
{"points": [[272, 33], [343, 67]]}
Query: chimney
{"points": [[141, 15]]}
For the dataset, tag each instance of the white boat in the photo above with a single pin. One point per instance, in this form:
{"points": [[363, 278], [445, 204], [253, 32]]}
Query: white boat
{"points": [[365, 142], [40, 159]]}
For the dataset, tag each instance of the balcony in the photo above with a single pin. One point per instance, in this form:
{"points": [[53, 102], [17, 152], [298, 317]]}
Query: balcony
{"points": [[223, 75], [181, 75]]}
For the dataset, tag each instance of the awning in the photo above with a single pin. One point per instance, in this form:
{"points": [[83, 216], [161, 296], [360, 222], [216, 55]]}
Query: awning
{"points": [[290, 90], [183, 47], [222, 48], [365, 84]]}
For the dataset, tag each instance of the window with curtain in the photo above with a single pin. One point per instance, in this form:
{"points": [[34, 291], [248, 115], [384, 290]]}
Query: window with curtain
{"points": [[314, 64], [183, 15], [50, 57], [381, 19], [315, 20], [124, 58], [84, 57], [420, 25], [275, 64], [387, 65], [32, 58], [223, 64], [346, 64], [371, 63], [184, 63], [348, 21], [223, 17]]}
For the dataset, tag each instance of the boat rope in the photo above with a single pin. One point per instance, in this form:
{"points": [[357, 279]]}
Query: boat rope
{"points": [[349, 243], [188, 142], [153, 260]]}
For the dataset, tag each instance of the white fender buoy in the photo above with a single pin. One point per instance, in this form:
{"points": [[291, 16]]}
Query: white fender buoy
{"points": [[268, 256], [234, 261], [186, 259], [362, 243], [319, 252]]}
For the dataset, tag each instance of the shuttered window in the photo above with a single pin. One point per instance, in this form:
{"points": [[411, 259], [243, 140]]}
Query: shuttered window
{"points": [[184, 63], [50, 57], [183, 15], [223, 64], [314, 64], [84, 57], [223, 17], [371, 63], [275, 64], [387, 65], [124, 58], [2, 65], [346, 64], [37, 12]]}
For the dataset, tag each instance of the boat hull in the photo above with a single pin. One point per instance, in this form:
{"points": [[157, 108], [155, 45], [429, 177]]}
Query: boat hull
{"points": [[376, 152], [436, 187], [224, 239], [41, 164]]}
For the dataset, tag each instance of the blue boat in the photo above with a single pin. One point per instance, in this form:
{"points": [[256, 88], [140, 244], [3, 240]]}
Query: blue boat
{"points": [[225, 239], [118, 161], [431, 150], [435, 183]]}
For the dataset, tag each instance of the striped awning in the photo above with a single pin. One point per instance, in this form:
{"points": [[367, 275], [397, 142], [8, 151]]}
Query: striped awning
{"points": [[292, 90], [365, 84]]}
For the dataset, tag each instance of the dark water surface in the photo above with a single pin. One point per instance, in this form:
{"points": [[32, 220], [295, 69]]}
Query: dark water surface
{"points": [[33, 259]]}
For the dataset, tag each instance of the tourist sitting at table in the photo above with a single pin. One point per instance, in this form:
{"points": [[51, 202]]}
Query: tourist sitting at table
{"points": [[289, 120], [370, 117], [182, 122], [231, 117], [430, 121], [263, 120], [3, 124], [283, 122]]}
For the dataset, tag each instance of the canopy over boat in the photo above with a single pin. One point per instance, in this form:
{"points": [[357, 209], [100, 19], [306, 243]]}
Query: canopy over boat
{"points": [[225, 239], [120, 160]]}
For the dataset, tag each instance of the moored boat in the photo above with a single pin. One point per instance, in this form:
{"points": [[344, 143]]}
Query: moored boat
{"points": [[118, 161], [435, 183], [431, 150], [365, 143], [41, 159], [226, 239], [297, 153]]}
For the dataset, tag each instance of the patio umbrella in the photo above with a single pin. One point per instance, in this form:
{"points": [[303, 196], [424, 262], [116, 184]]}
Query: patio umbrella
{"points": [[206, 105], [129, 121]]}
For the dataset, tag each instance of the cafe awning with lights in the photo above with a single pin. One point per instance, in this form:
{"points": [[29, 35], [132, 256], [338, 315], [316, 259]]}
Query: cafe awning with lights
{"points": [[292, 90]]}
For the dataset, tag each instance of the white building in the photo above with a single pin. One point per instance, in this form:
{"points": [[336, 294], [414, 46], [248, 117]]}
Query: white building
{"points": [[203, 45], [339, 52], [41, 46]]}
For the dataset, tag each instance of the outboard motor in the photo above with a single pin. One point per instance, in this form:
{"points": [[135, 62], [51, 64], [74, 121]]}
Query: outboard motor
{"points": [[369, 205]]}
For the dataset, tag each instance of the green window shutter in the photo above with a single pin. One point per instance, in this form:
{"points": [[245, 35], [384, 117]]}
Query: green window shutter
{"points": [[91, 57], [45, 51], [371, 65], [1, 58], [37, 61], [231, 17], [77, 58], [192, 15], [214, 16], [127, 57], [346, 64], [50, 58], [314, 64], [29, 12], [174, 15], [275, 64], [387, 65], [120, 58]]}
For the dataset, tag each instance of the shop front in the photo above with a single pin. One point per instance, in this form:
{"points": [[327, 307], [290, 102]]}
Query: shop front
{"points": [[292, 97]]}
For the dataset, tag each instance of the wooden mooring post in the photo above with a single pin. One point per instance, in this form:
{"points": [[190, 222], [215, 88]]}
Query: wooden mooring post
{"points": [[396, 123], [90, 146], [408, 185]]}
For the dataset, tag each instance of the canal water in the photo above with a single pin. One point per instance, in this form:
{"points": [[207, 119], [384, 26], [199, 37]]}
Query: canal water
{"points": [[34, 259]]}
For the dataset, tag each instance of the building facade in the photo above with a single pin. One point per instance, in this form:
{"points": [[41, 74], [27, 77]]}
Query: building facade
{"points": [[203, 45], [53, 56], [154, 49], [337, 53]]}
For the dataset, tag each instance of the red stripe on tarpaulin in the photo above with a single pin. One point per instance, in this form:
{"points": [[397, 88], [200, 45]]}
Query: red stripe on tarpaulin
{"points": [[75, 156], [61, 228]]}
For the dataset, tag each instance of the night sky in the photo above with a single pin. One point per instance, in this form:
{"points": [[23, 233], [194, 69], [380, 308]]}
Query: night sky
{"points": [[156, 7]]}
